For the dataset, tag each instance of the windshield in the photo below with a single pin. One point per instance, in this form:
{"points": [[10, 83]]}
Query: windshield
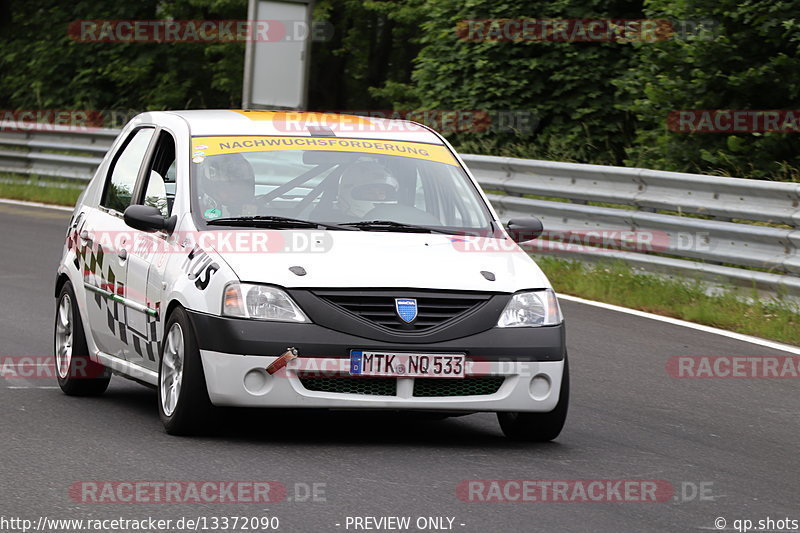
{"points": [[334, 181]]}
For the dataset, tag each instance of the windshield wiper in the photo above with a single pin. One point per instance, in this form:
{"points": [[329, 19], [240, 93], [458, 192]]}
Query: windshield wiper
{"points": [[274, 221], [389, 225]]}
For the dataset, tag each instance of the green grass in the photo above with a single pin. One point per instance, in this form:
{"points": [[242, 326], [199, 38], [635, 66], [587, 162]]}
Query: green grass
{"points": [[616, 283], [31, 190]]}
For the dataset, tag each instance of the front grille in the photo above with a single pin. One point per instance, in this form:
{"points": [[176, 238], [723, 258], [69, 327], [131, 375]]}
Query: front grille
{"points": [[477, 386], [351, 385], [432, 310]]}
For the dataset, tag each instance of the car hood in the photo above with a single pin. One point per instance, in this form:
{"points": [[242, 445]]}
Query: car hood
{"points": [[387, 259]]}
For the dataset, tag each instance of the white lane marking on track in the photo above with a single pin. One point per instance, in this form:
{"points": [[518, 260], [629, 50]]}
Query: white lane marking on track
{"points": [[676, 322], [36, 204]]}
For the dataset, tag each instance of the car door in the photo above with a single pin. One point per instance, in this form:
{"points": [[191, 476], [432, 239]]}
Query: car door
{"points": [[148, 254], [103, 247]]}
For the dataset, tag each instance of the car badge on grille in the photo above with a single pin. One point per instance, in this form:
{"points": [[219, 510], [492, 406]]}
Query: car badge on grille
{"points": [[406, 309]]}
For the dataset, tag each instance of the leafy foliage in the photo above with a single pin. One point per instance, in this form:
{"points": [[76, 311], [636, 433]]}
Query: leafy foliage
{"points": [[43, 68], [567, 85], [370, 53], [746, 58], [603, 103]]}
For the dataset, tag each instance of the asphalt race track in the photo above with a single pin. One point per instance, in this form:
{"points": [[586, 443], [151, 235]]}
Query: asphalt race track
{"points": [[728, 447]]}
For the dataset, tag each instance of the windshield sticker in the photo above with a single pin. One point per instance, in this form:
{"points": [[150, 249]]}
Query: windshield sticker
{"points": [[212, 213], [198, 159], [232, 145]]}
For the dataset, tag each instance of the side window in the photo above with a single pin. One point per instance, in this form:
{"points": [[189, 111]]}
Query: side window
{"points": [[120, 184], [159, 191]]}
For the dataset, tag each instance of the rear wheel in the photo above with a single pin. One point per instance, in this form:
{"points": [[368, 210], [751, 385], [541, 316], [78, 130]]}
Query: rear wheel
{"points": [[183, 402], [538, 427], [77, 374]]}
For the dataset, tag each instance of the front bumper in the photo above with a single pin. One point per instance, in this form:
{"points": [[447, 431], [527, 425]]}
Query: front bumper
{"points": [[234, 380], [516, 369]]}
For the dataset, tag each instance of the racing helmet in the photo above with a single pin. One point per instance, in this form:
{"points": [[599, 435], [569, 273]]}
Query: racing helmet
{"points": [[363, 185], [227, 178]]}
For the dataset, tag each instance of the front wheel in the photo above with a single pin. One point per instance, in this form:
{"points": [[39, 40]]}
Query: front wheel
{"points": [[538, 427], [77, 374], [183, 402]]}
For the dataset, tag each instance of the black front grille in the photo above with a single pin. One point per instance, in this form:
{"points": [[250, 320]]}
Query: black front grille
{"points": [[350, 385], [432, 310], [437, 387]]}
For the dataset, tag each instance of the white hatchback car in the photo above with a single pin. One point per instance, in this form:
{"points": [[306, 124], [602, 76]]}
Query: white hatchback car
{"points": [[272, 259]]}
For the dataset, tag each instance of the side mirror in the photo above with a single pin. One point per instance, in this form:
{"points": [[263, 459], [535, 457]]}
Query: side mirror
{"points": [[148, 218], [524, 229]]}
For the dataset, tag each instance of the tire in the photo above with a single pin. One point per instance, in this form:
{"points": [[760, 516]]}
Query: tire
{"points": [[183, 402], [77, 374], [538, 427]]}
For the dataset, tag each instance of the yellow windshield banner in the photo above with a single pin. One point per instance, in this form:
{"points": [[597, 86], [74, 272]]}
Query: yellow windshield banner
{"points": [[207, 146]]}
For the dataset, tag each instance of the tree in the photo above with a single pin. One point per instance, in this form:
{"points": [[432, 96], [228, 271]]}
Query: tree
{"points": [[746, 57], [44, 68], [568, 85]]}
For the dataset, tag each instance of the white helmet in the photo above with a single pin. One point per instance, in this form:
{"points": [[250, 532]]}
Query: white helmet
{"points": [[227, 178], [363, 185]]}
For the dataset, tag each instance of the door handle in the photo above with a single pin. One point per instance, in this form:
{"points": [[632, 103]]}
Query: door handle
{"points": [[123, 254]]}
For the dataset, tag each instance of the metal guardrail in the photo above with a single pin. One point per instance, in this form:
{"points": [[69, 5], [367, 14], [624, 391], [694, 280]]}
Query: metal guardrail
{"points": [[712, 225], [703, 226], [57, 152]]}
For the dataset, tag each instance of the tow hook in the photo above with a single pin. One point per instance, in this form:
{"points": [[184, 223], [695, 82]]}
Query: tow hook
{"points": [[282, 361]]}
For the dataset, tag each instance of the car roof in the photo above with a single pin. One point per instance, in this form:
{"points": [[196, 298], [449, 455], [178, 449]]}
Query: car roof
{"points": [[222, 122]]}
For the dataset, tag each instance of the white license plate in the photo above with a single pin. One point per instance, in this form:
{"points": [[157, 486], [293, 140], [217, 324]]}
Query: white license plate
{"points": [[406, 365]]}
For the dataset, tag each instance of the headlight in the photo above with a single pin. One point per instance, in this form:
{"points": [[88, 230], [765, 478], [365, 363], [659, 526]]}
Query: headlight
{"points": [[531, 309], [260, 302]]}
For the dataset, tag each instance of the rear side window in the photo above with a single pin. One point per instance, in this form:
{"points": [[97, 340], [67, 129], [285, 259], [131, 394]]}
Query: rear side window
{"points": [[125, 169]]}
